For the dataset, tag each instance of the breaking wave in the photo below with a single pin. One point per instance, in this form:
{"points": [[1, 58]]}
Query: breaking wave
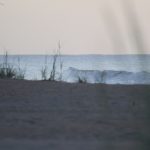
{"points": [[73, 75]]}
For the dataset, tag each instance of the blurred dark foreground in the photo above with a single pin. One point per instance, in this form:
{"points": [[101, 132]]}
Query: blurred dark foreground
{"points": [[38, 115]]}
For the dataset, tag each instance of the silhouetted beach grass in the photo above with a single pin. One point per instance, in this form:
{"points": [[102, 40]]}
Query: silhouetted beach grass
{"points": [[9, 70]]}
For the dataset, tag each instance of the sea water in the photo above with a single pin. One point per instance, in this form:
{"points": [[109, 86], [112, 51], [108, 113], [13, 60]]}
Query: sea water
{"points": [[32, 64]]}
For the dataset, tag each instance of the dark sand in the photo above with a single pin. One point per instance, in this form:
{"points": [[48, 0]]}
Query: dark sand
{"points": [[38, 115]]}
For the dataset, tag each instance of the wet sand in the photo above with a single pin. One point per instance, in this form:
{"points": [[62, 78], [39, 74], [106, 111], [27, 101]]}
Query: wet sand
{"points": [[42, 115]]}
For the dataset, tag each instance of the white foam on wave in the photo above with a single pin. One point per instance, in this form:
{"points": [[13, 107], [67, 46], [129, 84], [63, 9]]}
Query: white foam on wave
{"points": [[73, 75]]}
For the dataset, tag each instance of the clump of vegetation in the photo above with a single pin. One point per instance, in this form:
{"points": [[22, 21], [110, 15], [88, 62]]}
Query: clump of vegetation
{"points": [[44, 70], [53, 74], [53, 71], [20, 73], [82, 80], [44, 73], [8, 71]]}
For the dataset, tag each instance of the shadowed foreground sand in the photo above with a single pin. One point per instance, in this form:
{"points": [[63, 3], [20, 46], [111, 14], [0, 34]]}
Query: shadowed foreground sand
{"points": [[38, 115]]}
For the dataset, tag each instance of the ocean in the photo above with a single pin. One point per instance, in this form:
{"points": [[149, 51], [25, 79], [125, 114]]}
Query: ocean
{"points": [[32, 64]]}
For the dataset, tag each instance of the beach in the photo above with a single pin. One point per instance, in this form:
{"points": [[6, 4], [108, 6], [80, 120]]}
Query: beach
{"points": [[44, 115]]}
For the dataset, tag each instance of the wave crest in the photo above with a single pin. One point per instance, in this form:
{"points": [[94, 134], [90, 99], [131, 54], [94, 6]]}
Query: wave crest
{"points": [[73, 75]]}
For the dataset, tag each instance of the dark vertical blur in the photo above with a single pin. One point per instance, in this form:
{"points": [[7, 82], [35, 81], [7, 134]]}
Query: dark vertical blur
{"points": [[134, 25], [134, 31]]}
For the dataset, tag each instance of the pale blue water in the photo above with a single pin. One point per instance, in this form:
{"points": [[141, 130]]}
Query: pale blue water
{"points": [[33, 63]]}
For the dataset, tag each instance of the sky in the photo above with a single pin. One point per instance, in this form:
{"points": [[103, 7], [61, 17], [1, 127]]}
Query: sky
{"points": [[81, 26]]}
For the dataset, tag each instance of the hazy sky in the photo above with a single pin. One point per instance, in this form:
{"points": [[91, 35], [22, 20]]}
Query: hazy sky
{"points": [[82, 26]]}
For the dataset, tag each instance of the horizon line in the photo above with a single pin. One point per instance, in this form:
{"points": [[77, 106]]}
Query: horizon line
{"points": [[73, 54]]}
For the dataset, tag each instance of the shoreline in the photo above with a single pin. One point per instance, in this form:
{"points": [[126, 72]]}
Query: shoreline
{"points": [[73, 83]]}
